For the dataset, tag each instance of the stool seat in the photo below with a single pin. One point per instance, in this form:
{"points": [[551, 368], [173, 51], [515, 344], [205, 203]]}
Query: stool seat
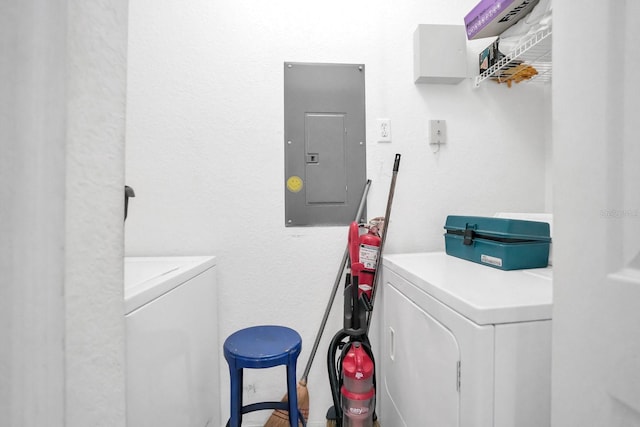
{"points": [[262, 346], [259, 347]]}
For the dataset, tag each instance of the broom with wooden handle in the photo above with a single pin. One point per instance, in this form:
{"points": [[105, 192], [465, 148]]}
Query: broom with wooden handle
{"points": [[279, 417]]}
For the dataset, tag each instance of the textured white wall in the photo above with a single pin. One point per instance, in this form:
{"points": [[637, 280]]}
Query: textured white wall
{"points": [[205, 149], [96, 93], [61, 168]]}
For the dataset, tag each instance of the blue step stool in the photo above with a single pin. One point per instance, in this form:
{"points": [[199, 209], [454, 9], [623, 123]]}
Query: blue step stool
{"points": [[261, 347]]}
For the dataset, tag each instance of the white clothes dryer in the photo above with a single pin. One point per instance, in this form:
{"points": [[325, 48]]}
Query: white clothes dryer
{"points": [[172, 375], [463, 345]]}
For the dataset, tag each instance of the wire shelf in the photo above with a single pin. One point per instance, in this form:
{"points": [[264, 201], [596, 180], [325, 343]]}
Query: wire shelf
{"points": [[530, 61]]}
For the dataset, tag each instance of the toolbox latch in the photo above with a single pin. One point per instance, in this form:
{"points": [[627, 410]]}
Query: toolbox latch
{"points": [[468, 237]]}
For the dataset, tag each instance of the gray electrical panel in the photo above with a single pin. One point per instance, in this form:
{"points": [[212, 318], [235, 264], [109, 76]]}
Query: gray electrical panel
{"points": [[324, 143]]}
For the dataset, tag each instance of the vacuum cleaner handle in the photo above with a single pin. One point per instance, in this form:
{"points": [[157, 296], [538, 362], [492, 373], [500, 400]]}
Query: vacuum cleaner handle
{"points": [[336, 285]]}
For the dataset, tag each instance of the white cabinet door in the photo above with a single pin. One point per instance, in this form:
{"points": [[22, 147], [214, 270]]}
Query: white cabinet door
{"points": [[420, 360]]}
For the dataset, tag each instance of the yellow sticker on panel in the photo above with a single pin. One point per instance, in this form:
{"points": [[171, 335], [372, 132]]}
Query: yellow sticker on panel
{"points": [[294, 184]]}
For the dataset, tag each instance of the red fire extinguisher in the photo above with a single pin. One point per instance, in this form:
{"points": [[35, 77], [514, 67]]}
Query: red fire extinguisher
{"points": [[358, 392], [364, 249]]}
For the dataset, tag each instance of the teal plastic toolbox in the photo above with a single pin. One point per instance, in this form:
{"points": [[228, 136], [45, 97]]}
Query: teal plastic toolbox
{"points": [[507, 244]]}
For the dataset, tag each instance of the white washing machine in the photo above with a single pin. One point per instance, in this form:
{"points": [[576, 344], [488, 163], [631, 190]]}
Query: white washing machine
{"points": [[464, 345], [172, 342]]}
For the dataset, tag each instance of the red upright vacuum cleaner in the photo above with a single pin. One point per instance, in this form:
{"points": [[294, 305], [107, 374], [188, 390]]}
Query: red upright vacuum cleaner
{"points": [[350, 361]]}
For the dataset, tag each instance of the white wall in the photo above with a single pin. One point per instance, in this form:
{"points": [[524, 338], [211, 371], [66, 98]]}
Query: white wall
{"points": [[94, 244], [61, 169], [205, 150], [596, 350]]}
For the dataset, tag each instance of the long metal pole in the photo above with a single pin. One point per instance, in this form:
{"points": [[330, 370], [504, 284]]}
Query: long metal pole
{"points": [[336, 284], [387, 222]]}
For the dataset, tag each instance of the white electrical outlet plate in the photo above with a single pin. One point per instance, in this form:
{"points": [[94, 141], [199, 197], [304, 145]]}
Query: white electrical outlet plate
{"points": [[384, 130], [437, 132]]}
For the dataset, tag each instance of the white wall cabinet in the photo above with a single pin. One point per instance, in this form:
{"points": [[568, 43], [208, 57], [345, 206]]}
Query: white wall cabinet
{"points": [[439, 54]]}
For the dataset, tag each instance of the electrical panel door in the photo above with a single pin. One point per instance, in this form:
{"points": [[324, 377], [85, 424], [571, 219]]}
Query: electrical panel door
{"points": [[324, 143]]}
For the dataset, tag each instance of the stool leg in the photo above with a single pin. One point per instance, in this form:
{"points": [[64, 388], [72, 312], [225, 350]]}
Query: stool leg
{"points": [[236, 375], [293, 393]]}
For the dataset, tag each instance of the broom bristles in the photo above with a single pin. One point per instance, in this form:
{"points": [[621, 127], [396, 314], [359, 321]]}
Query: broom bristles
{"points": [[334, 423], [280, 418]]}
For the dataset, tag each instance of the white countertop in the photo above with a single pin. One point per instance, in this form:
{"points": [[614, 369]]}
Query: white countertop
{"points": [[483, 294], [147, 278]]}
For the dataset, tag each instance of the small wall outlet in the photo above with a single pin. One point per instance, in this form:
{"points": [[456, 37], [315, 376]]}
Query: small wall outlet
{"points": [[437, 132], [384, 130]]}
